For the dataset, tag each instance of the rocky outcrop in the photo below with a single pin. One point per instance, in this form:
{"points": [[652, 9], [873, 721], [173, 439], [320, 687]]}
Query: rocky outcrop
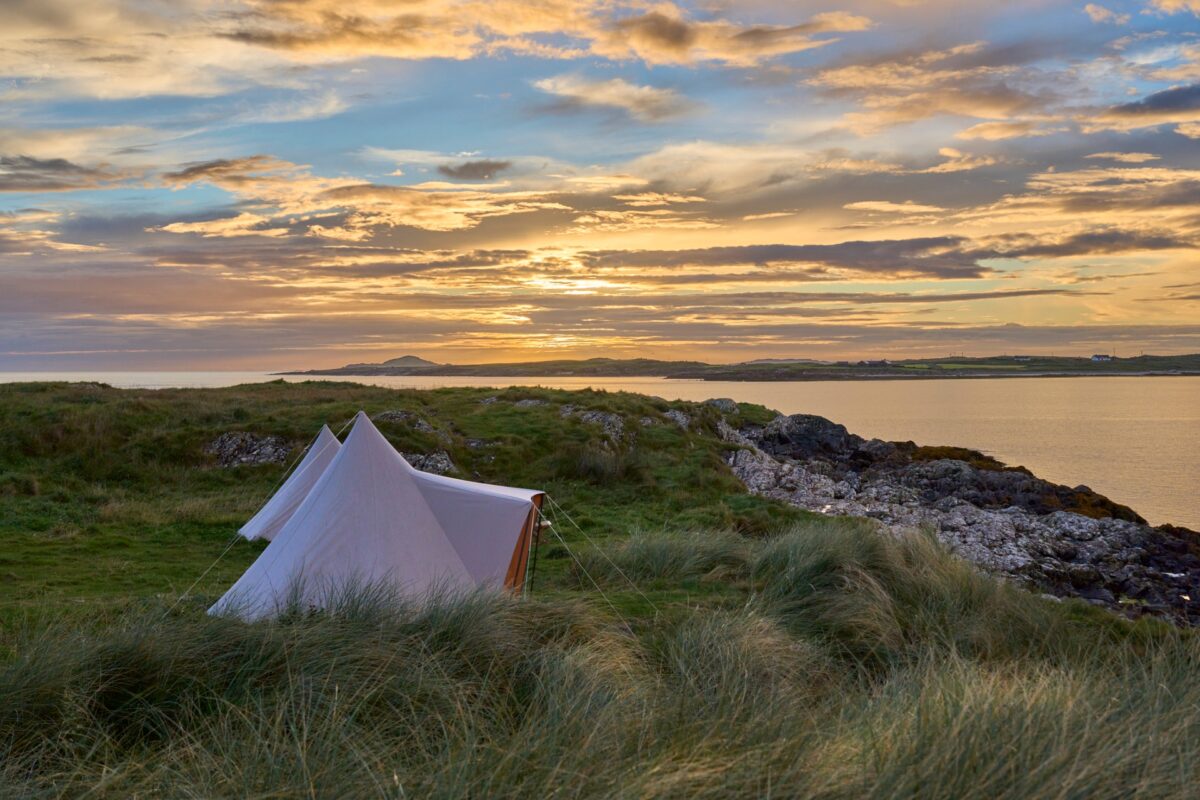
{"points": [[612, 424], [678, 417], [1068, 542], [437, 462], [723, 404], [409, 418], [238, 448]]}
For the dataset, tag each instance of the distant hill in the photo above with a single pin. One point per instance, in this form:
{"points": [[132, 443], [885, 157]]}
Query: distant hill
{"points": [[592, 367], [779, 369], [410, 361], [404, 362]]}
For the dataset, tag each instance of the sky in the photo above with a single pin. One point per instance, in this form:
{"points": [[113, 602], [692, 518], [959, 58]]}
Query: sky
{"points": [[274, 184]]}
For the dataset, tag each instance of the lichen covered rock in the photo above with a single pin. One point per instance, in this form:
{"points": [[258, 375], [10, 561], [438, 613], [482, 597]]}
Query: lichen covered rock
{"points": [[238, 448], [437, 462]]}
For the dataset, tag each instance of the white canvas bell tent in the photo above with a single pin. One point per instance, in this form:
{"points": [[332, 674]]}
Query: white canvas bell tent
{"points": [[279, 509], [373, 519]]}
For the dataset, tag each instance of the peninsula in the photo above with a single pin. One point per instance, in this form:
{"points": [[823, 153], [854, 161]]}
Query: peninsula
{"points": [[1003, 366]]}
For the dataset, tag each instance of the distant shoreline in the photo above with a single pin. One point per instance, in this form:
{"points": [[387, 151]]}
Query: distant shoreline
{"points": [[784, 370], [795, 377]]}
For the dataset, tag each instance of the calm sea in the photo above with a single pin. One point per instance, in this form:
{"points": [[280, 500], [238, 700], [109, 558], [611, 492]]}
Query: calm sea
{"points": [[1136, 440]]}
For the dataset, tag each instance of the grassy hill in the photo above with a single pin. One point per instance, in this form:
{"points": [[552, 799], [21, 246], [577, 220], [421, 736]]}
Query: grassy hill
{"points": [[700, 643]]}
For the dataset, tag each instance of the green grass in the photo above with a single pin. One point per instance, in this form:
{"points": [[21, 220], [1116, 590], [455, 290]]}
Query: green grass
{"points": [[107, 494], [706, 644]]}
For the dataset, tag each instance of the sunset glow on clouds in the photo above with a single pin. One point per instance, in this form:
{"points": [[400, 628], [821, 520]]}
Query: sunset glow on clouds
{"points": [[295, 183]]}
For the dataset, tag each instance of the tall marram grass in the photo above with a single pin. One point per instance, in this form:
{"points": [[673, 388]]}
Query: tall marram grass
{"points": [[857, 666]]}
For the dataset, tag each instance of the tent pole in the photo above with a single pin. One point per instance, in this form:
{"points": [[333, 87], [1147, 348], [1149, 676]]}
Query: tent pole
{"points": [[534, 541]]}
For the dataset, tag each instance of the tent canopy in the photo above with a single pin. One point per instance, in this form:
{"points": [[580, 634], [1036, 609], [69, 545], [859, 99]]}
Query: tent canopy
{"points": [[371, 518], [279, 509]]}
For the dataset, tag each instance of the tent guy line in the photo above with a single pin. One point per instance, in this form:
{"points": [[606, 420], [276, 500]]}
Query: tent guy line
{"points": [[301, 458], [558, 509]]}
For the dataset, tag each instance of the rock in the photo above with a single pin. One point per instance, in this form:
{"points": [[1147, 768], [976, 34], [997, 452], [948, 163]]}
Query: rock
{"points": [[236, 448], [490, 400], [678, 417], [478, 444], [874, 451], [728, 434], [1001, 488], [613, 424], [530, 402], [723, 404], [404, 417], [999, 519], [1098, 595], [437, 462], [647, 422], [805, 436]]}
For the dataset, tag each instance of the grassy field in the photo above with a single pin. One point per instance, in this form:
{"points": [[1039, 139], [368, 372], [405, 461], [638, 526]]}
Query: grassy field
{"points": [[712, 644]]}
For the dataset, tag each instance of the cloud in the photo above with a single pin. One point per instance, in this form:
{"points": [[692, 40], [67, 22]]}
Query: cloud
{"points": [[1099, 13], [666, 36], [1097, 242], [482, 170], [958, 161], [997, 131], [969, 80], [1176, 6], [28, 174], [662, 33], [650, 199], [307, 107], [88, 143], [121, 49], [1126, 158], [888, 207], [931, 257], [112, 49], [278, 197], [643, 103], [1179, 104], [232, 173]]}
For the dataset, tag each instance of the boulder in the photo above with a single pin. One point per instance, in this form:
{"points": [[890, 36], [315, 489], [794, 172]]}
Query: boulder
{"points": [[238, 448], [723, 404], [438, 462], [805, 436], [408, 418], [678, 417], [612, 424]]}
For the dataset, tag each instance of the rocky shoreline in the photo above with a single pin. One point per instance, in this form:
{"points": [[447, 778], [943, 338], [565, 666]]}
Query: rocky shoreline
{"points": [[1058, 540]]}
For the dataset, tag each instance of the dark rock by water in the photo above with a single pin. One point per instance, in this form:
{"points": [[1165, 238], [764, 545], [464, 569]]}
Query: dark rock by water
{"points": [[1067, 541]]}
